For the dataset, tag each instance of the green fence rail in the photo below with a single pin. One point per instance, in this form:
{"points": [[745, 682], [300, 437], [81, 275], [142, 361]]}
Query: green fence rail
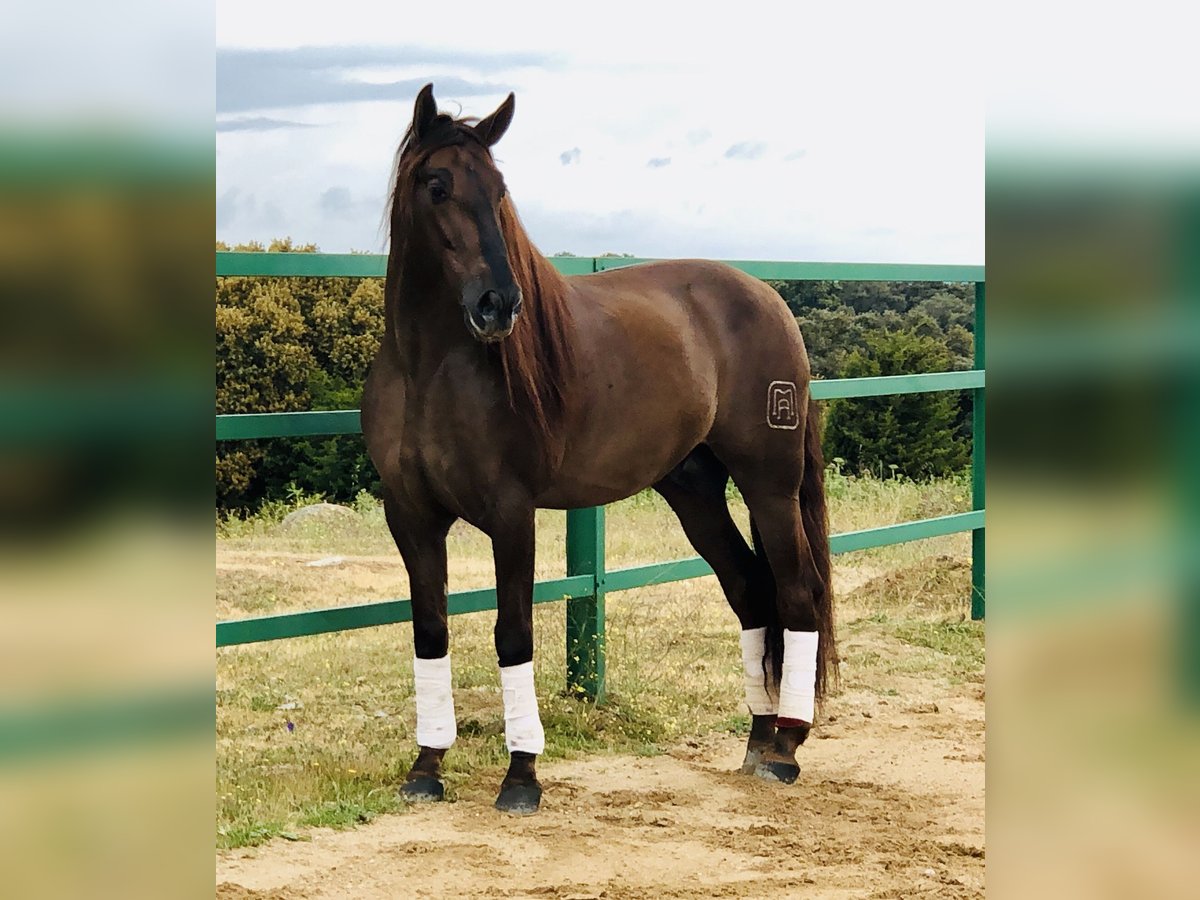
{"points": [[587, 580], [374, 265]]}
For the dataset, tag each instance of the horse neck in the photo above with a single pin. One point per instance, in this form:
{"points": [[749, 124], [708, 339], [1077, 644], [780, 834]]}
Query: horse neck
{"points": [[541, 274], [422, 318], [544, 272]]}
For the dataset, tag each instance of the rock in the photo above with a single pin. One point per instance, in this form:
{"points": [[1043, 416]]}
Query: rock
{"points": [[318, 513]]}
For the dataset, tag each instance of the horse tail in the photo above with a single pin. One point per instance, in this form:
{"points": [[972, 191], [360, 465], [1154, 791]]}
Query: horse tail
{"points": [[773, 644], [815, 515], [815, 518]]}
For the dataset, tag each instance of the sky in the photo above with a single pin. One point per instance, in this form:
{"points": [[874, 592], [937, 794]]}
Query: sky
{"points": [[836, 132]]}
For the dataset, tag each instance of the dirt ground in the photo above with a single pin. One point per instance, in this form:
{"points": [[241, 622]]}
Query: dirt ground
{"points": [[890, 803]]}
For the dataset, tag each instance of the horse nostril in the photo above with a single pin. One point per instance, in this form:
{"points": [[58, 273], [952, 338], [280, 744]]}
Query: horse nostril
{"points": [[488, 303]]}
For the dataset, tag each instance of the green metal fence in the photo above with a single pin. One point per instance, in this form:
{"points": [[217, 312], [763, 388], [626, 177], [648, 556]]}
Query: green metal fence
{"points": [[587, 580]]}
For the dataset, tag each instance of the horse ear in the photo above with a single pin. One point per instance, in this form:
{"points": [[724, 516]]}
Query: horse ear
{"points": [[491, 129], [424, 112]]}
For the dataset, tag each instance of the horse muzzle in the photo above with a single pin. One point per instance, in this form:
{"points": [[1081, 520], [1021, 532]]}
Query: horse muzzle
{"points": [[492, 316]]}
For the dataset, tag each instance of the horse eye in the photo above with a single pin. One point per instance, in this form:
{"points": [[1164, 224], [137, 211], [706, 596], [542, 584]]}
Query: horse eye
{"points": [[438, 192]]}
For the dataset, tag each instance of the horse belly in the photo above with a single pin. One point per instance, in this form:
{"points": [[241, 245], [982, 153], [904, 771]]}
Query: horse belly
{"points": [[633, 434]]}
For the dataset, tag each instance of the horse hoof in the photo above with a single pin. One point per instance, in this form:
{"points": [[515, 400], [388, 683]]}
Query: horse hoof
{"points": [[778, 771], [752, 761], [423, 789], [519, 799]]}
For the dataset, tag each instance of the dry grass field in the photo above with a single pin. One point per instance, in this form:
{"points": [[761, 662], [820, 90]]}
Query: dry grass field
{"points": [[315, 734]]}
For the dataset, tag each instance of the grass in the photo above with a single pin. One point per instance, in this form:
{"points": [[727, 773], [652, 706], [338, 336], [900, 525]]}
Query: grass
{"points": [[318, 731]]}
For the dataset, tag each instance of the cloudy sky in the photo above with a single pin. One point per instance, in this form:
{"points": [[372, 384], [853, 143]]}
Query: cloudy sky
{"points": [[761, 131]]}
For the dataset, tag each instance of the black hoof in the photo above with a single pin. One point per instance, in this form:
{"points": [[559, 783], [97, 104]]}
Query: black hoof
{"points": [[753, 758], [423, 789], [777, 771], [519, 799]]}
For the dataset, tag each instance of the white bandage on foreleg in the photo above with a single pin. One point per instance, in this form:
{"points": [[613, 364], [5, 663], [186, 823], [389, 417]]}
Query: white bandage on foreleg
{"points": [[522, 726], [435, 703], [797, 693], [761, 696]]}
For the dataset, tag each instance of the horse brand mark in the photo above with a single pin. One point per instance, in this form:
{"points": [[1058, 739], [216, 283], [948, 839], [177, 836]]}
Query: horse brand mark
{"points": [[781, 405]]}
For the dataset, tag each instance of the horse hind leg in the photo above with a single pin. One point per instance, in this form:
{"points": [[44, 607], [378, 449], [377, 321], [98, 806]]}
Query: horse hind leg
{"points": [[762, 644], [780, 472], [695, 491], [781, 538]]}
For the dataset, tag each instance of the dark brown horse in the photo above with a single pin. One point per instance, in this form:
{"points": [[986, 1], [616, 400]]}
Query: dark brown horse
{"points": [[502, 387]]}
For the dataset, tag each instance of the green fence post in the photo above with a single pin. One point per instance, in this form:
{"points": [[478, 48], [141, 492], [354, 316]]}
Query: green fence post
{"points": [[1185, 478], [585, 615], [978, 456]]}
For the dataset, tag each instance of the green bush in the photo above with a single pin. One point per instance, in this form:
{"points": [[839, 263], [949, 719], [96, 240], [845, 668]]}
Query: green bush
{"points": [[918, 435], [286, 344]]}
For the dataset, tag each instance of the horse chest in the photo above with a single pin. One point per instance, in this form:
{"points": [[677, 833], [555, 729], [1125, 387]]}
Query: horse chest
{"points": [[455, 442]]}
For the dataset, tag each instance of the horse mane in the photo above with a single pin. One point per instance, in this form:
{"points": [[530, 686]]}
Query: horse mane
{"points": [[536, 359]]}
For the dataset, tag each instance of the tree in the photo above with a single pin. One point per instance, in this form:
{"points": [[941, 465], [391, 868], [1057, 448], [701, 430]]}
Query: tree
{"points": [[262, 365], [346, 335], [803, 297], [263, 357], [288, 344], [920, 434], [830, 334]]}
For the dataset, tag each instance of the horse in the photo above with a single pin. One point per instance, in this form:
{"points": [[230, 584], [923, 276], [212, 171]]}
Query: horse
{"points": [[501, 387]]}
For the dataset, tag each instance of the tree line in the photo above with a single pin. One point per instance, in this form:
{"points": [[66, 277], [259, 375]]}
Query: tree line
{"points": [[287, 344]]}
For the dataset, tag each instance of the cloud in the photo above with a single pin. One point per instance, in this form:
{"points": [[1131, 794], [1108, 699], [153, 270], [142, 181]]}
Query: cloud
{"points": [[258, 123], [698, 136], [746, 150], [795, 154], [336, 201], [569, 156], [340, 204], [238, 209], [227, 207], [658, 162], [249, 79], [586, 233]]}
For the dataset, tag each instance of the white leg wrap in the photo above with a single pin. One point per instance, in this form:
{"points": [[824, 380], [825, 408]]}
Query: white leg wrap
{"points": [[435, 703], [522, 725], [760, 697], [797, 694]]}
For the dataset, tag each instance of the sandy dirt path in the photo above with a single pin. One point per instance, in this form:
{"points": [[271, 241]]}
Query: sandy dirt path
{"points": [[889, 804]]}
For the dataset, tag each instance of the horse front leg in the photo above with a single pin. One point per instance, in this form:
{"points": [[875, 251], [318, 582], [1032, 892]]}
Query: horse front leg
{"points": [[421, 539], [513, 543]]}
